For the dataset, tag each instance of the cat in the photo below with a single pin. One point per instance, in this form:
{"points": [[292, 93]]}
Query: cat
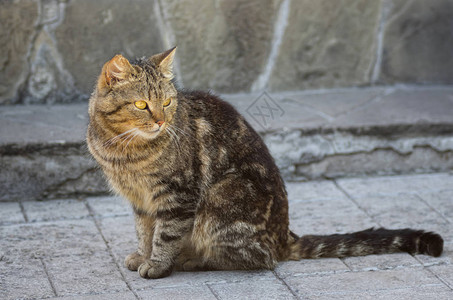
{"points": [[205, 191]]}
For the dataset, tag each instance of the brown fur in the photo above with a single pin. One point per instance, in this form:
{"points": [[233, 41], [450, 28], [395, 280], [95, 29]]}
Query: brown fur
{"points": [[205, 191]]}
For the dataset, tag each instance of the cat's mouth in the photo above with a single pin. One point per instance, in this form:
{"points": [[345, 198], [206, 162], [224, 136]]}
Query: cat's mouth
{"points": [[149, 131]]}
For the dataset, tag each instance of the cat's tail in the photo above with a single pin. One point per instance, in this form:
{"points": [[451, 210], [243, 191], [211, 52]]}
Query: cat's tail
{"points": [[370, 241]]}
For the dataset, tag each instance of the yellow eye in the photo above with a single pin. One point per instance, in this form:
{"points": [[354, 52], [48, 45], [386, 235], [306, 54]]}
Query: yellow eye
{"points": [[167, 102], [140, 104]]}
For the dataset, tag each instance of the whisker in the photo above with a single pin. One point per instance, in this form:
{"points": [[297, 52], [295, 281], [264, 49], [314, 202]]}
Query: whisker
{"points": [[115, 138], [130, 135], [181, 131], [172, 132], [133, 137], [175, 138]]}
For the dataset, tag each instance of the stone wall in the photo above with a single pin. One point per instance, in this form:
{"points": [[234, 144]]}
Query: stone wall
{"points": [[52, 50]]}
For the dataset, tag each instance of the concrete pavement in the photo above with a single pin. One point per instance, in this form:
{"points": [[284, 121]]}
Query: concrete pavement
{"points": [[74, 248]]}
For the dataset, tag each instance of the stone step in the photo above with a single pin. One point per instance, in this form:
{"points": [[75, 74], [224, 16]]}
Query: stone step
{"points": [[311, 134]]}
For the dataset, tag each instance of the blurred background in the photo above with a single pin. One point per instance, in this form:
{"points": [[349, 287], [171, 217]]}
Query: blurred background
{"points": [[52, 51]]}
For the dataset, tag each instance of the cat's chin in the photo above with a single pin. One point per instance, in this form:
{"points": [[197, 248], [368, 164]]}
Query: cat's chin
{"points": [[151, 134]]}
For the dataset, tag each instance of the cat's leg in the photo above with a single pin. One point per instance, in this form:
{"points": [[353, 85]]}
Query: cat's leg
{"points": [[250, 253], [170, 235], [144, 227], [188, 259], [231, 230], [252, 257]]}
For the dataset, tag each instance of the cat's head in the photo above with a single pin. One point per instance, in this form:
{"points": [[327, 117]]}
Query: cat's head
{"points": [[136, 97]]}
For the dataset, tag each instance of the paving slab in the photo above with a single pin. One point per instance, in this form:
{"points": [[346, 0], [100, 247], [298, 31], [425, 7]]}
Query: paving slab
{"points": [[114, 296], [51, 239], [55, 210], [402, 107], [426, 292], [84, 274], [313, 191], [24, 278], [353, 282], [383, 185], [119, 233], [444, 273], [381, 262], [310, 267], [11, 213], [441, 202], [327, 216], [201, 292], [329, 108], [109, 206], [275, 289], [43, 124], [393, 211], [189, 279]]}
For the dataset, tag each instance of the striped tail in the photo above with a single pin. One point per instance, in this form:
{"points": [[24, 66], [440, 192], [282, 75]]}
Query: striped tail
{"points": [[370, 241]]}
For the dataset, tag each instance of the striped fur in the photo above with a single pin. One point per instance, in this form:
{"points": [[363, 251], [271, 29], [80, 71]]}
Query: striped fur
{"points": [[370, 241], [205, 191]]}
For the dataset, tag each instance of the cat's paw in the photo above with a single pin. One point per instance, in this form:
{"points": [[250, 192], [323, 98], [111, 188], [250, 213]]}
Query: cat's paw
{"points": [[133, 261], [193, 265], [153, 270]]}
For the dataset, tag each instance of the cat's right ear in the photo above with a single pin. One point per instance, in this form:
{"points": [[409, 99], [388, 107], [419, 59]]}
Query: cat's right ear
{"points": [[115, 70], [164, 62]]}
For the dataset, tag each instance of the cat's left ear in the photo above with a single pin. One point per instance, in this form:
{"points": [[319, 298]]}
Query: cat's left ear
{"points": [[164, 61]]}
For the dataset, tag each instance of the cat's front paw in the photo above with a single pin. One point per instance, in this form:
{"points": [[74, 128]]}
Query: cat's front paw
{"points": [[153, 269], [134, 260]]}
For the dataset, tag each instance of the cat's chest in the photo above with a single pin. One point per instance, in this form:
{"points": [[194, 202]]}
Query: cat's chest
{"points": [[123, 181], [137, 188]]}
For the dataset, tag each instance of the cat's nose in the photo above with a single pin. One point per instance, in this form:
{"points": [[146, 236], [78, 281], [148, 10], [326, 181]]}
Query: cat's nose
{"points": [[160, 123]]}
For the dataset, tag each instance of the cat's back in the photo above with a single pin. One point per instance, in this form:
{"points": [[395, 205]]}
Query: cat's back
{"points": [[224, 133], [206, 105]]}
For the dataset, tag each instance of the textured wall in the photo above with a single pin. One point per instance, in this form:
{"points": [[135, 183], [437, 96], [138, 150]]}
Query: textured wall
{"points": [[52, 50]]}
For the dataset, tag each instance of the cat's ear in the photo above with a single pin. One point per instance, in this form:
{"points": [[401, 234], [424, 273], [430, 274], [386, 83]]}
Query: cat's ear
{"points": [[164, 61], [115, 70]]}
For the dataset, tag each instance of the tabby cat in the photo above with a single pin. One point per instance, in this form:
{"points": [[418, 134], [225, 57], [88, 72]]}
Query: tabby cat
{"points": [[205, 192]]}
